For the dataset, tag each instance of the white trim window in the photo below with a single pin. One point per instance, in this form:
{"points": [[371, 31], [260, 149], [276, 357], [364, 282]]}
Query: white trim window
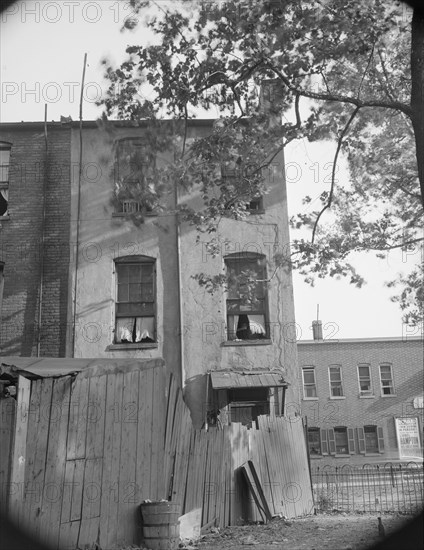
{"points": [[309, 383], [364, 380], [135, 306], [386, 379], [335, 378]]}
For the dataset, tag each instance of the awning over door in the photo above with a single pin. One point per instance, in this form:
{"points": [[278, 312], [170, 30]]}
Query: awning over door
{"points": [[246, 379]]}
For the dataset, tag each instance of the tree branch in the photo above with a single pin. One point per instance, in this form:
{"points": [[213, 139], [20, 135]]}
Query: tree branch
{"points": [[395, 105], [333, 174]]}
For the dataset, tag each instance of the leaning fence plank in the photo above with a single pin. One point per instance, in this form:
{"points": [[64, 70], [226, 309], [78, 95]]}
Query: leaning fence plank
{"points": [[55, 463], [128, 494], [19, 457]]}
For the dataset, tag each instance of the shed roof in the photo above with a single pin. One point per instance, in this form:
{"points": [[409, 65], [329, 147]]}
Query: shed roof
{"points": [[247, 379], [46, 367]]}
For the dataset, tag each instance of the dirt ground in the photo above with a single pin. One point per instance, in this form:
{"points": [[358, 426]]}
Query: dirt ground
{"points": [[321, 532]]}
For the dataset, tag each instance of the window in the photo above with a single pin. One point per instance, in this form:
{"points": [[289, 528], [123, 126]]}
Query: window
{"points": [[247, 297], [246, 404], [364, 376], [309, 385], [336, 387], [4, 177], [230, 175], [341, 441], [135, 300], [135, 177], [370, 439], [314, 441], [386, 378]]}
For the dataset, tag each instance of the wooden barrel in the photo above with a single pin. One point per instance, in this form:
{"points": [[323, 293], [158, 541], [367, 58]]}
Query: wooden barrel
{"points": [[161, 528]]}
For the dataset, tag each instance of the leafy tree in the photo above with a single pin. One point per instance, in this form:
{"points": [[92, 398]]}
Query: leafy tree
{"points": [[351, 73]]}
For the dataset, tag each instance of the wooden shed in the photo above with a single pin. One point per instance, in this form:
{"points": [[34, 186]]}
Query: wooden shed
{"points": [[82, 445]]}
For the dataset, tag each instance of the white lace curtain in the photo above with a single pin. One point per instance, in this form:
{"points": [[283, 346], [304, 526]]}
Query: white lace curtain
{"points": [[144, 328]]}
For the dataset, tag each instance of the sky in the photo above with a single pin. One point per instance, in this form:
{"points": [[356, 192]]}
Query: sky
{"points": [[42, 47]]}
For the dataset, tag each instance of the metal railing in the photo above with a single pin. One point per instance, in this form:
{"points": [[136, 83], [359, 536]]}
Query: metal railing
{"points": [[390, 487]]}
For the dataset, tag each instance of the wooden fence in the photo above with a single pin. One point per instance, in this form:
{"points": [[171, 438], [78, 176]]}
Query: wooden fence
{"points": [[202, 469], [88, 449]]}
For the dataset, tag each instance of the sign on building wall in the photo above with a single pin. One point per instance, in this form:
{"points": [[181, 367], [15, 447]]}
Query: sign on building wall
{"points": [[408, 437]]}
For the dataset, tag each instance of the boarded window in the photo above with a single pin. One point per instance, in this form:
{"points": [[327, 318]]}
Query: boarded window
{"points": [[246, 404]]}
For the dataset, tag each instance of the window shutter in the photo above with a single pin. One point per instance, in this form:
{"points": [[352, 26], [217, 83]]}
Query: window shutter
{"points": [[324, 442], [380, 439], [351, 440], [331, 441], [361, 439]]}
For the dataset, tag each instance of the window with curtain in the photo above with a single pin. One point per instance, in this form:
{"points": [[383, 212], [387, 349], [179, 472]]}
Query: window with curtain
{"points": [[4, 177], [135, 309], [247, 317], [341, 441], [135, 173]]}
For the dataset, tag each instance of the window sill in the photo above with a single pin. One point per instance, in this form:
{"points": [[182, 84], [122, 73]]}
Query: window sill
{"points": [[389, 395], [311, 398], [366, 396], [256, 212], [3, 218], [342, 456], [315, 457], [128, 214], [264, 342], [338, 397], [147, 345], [372, 454]]}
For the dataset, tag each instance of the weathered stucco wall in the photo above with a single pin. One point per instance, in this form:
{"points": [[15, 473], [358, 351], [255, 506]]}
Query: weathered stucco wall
{"points": [[103, 237]]}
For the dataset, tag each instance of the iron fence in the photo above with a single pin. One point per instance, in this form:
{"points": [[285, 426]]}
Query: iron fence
{"points": [[390, 487]]}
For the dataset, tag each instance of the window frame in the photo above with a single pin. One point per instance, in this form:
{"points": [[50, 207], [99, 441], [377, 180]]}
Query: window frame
{"points": [[232, 337], [338, 429], [316, 431], [341, 396], [392, 382], [365, 393], [312, 369], [5, 184], [248, 402], [138, 260], [129, 206], [233, 173]]}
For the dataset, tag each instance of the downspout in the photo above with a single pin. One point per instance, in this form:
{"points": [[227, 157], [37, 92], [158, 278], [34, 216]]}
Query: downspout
{"points": [[74, 305], [43, 228]]}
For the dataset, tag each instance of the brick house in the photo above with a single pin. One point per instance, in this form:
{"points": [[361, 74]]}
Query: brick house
{"points": [[99, 286], [362, 399], [35, 187]]}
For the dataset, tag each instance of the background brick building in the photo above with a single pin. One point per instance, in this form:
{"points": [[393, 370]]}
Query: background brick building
{"points": [[360, 397], [34, 237]]}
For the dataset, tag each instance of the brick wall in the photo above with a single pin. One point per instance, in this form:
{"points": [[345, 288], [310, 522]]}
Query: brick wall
{"points": [[21, 239], [353, 411]]}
